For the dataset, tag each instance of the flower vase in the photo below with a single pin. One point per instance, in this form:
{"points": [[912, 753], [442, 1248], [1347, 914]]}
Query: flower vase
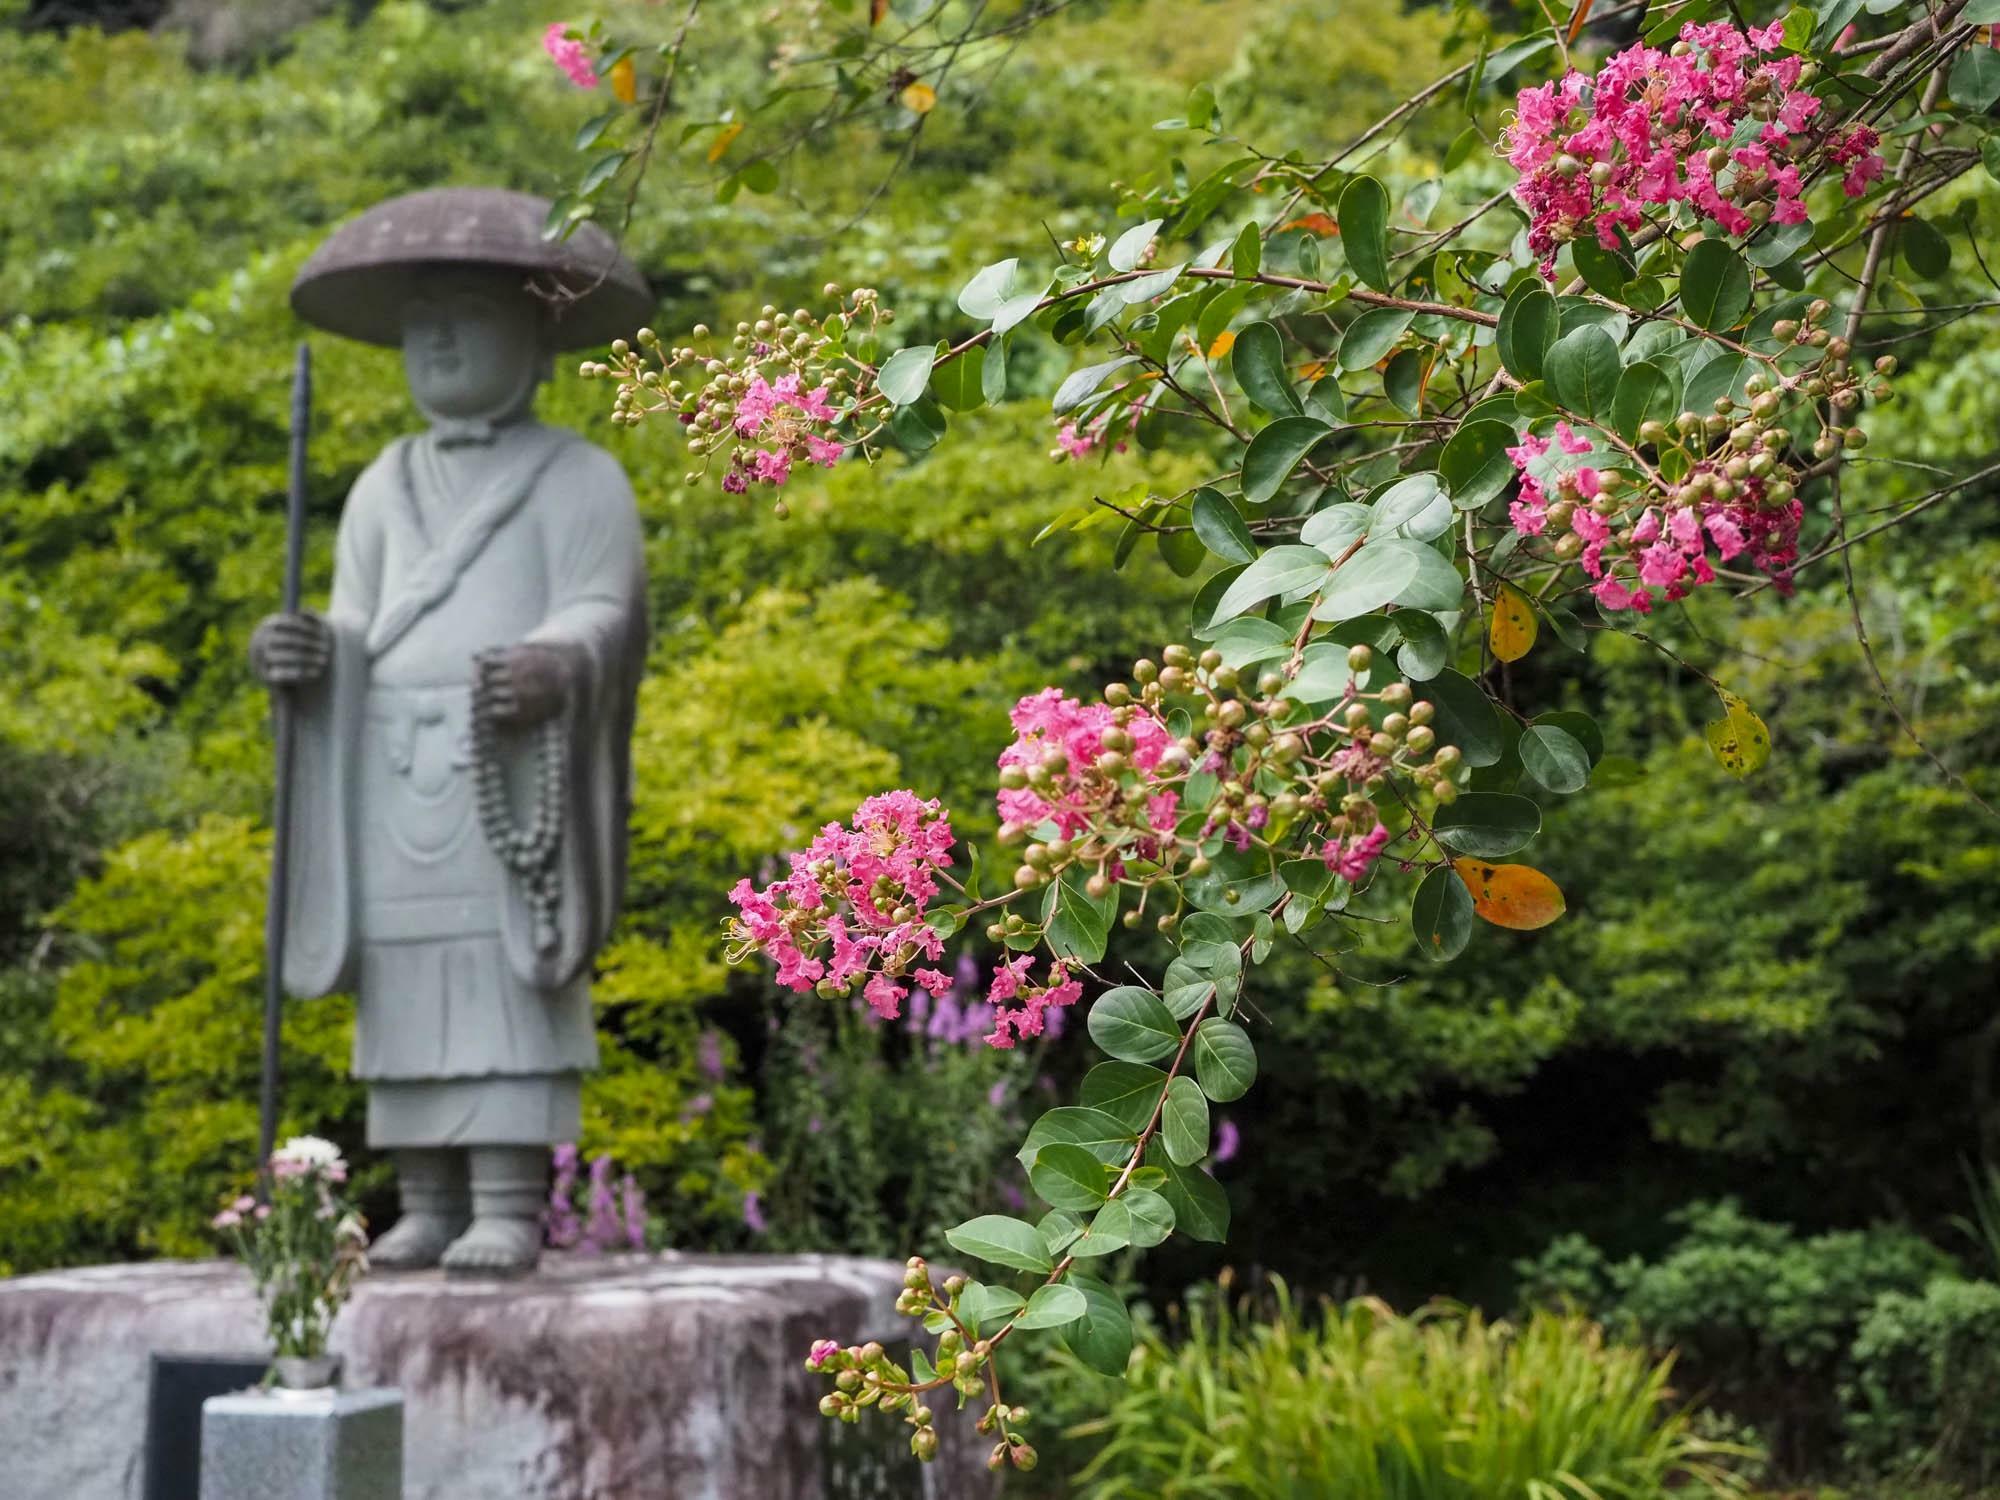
{"points": [[301, 1374]]}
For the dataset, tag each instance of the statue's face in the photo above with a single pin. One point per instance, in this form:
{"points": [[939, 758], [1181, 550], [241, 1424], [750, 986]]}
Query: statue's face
{"points": [[471, 342]]}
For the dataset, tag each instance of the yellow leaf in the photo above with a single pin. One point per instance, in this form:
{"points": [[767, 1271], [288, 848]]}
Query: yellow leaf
{"points": [[1516, 896], [877, 9], [1313, 223], [1738, 739], [1224, 342], [724, 139], [625, 80], [1511, 630], [919, 98]]}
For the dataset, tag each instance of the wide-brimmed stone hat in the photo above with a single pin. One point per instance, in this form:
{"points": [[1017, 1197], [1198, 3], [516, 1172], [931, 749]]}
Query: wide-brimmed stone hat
{"points": [[357, 282]]}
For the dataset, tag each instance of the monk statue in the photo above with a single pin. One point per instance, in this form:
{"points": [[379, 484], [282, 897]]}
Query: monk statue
{"points": [[464, 714]]}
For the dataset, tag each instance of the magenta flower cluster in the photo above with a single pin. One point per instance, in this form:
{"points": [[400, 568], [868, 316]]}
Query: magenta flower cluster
{"points": [[782, 417], [570, 55], [1050, 721], [1654, 129], [854, 904], [1664, 546]]}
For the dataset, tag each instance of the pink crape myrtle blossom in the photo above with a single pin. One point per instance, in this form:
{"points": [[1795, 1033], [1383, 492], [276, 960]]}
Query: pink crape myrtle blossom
{"points": [[1056, 732], [1661, 551], [1653, 130], [822, 1351], [852, 909], [570, 55], [794, 424], [1352, 859], [1028, 1018]]}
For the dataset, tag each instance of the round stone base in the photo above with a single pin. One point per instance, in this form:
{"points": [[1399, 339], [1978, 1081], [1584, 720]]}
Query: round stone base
{"points": [[623, 1377]]}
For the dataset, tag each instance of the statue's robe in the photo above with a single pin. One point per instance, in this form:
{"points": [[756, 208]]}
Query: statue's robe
{"points": [[469, 1031]]}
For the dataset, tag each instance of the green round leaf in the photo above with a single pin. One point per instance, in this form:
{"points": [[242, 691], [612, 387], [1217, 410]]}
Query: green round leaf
{"points": [[1133, 1025], [986, 293], [1554, 758], [1276, 451], [1054, 1306], [1108, 1231], [1221, 529], [1528, 327], [1363, 214], [1001, 1241], [1258, 360], [1441, 914], [1224, 1061], [1603, 271], [1102, 1337], [1104, 1135], [1128, 1091], [1465, 718], [1424, 649], [1279, 571], [1201, 1208], [1647, 392], [1414, 506], [1487, 824], [1715, 286], [1152, 1216], [1475, 463], [1579, 726], [1184, 1122], [1371, 336], [906, 373], [1584, 370], [1069, 1177]]}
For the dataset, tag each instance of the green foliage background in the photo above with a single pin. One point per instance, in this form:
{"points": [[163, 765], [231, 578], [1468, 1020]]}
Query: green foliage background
{"points": [[1782, 989]]}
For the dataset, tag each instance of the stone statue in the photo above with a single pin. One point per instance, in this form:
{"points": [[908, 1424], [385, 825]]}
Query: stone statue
{"points": [[464, 712]]}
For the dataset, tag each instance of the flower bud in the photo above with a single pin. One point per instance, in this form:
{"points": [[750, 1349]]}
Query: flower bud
{"points": [[1359, 658], [1446, 792], [1422, 711], [1397, 695], [1420, 738], [924, 1443]]}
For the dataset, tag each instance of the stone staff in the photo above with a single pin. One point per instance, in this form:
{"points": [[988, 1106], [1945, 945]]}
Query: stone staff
{"points": [[281, 821]]}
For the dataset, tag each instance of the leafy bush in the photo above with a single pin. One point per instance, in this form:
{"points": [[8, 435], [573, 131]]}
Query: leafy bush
{"points": [[1360, 1403], [1762, 1319], [1924, 1397]]}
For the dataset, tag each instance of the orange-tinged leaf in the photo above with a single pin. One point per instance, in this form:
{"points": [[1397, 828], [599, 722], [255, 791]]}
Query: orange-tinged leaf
{"points": [[724, 139], [1511, 630], [1577, 17], [1739, 739], [1312, 369], [877, 9], [625, 80], [1316, 223], [1516, 896], [1224, 342], [919, 98]]}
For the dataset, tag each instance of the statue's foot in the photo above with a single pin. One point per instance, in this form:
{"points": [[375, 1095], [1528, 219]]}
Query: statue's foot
{"points": [[418, 1241], [495, 1247]]}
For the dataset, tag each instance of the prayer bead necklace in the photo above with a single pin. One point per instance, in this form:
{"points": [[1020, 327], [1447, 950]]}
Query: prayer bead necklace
{"points": [[531, 852]]}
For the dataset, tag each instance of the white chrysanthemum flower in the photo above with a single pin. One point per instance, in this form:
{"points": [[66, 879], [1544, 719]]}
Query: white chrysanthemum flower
{"points": [[308, 1151]]}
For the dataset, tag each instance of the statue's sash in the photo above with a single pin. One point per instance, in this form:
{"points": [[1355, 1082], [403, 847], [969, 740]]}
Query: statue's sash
{"points": [[430, 583]]}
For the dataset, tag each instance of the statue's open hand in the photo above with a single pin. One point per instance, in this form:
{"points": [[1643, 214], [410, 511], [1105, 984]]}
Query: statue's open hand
{"points": [[515, 687], [286, 649]]}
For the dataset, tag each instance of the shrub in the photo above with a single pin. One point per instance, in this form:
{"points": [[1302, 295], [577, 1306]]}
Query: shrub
{"points": [[1361, 1403], [1924, 1400], [1762, 1319]]}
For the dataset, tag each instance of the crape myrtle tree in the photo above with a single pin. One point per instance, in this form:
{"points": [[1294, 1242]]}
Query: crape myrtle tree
{"points": [[1617, 350]]}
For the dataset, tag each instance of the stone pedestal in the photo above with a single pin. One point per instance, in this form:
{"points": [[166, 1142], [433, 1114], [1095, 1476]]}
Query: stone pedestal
{"points": [[673, 1377], [316, 1445]]}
